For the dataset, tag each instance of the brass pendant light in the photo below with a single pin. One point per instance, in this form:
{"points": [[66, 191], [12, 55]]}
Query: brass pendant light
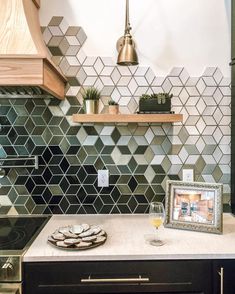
{"points": [[125, 45]]}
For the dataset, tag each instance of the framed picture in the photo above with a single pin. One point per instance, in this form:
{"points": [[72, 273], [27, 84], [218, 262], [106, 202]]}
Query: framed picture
{"points": [[194, 206]]}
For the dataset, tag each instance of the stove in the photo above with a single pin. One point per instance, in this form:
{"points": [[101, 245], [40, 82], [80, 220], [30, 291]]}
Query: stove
{"points": [[16, 235]]}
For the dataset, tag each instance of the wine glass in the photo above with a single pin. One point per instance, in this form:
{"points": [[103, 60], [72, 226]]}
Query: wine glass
{"points": [[156, 218]]}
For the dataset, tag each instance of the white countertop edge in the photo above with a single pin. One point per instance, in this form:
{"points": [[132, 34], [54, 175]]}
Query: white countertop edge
{"points": [[127, 257]]}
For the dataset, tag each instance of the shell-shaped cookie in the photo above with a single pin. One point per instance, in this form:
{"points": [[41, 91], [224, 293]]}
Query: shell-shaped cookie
{"points": [[87, 233], [89, 239], [95, 230], [63, 230], [58, 236], [61, 244], [101, 233], [85, 227], [52, 240], [76, 229], [83, 245], [99, 239], [72, 241], [70, 235]]}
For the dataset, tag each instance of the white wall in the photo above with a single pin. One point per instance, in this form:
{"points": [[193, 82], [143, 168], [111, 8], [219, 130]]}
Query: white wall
{"points": [[190, 33]]}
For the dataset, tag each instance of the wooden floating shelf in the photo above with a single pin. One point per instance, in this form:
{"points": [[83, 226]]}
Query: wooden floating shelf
{"points": [[127, 118]]}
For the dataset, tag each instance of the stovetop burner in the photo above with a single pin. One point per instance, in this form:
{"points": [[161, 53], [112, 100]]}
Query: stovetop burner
{"points": [[16, 232]]}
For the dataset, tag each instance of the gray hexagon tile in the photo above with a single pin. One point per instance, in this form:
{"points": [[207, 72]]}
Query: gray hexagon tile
{"points": [[58, 26]]}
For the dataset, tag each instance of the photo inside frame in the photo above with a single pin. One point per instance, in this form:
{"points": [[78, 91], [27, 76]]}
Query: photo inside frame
{"points": [[190, 205]]}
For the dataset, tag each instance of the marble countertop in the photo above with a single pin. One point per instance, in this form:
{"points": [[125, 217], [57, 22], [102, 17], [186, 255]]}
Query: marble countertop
{"points": [[127, 241]]}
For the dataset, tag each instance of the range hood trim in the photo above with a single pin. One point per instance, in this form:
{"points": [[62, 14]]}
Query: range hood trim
{"points": [[37, 3], [29, 69]]}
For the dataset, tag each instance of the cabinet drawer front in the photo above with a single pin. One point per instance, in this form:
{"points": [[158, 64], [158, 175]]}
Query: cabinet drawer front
{"points": [[117, 277]]}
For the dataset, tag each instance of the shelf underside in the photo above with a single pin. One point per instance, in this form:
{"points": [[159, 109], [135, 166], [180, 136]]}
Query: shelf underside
{"points": [[128, 118]]}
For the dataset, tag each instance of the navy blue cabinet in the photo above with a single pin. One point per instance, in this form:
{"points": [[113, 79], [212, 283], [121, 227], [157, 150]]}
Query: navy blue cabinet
{"points": [[166, 276]]}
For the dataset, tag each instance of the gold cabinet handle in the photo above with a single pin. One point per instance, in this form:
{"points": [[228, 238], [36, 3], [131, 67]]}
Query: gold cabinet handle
{"points": [[114, 280], [221, 274]]}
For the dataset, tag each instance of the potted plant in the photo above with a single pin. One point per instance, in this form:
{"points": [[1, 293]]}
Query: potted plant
{"points": [[91, 98], [113, 107], [155, 103]]}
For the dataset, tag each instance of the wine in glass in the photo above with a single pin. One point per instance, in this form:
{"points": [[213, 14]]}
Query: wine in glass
{"points": [[156, 218]]}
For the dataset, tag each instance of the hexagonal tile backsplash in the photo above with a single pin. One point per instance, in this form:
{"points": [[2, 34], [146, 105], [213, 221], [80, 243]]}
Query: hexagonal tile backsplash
{"points": [[139, 157]]}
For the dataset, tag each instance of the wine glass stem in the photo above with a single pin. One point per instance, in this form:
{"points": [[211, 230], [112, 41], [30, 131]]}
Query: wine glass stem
{"points": [[157, 233]]}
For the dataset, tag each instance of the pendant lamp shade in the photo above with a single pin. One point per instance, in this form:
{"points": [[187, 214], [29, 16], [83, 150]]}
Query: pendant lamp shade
{"points": [[127, 54]]}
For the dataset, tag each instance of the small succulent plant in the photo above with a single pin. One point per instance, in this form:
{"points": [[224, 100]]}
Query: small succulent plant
{"points": [[91, 94], [145, 97], [112, 102], [161, 97]]}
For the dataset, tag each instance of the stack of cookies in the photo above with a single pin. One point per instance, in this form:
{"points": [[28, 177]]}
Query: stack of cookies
{"points": [[82, 236]]}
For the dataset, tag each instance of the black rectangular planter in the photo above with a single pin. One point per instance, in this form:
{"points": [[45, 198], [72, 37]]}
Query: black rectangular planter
{"points": [[151, 105]]}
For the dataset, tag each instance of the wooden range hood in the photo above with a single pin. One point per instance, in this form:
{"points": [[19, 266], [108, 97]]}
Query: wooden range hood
{"points": [[25, 65]]}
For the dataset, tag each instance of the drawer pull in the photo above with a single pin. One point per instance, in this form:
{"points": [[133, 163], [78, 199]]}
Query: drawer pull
{"points": [[221, 274], [115, 280]]}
